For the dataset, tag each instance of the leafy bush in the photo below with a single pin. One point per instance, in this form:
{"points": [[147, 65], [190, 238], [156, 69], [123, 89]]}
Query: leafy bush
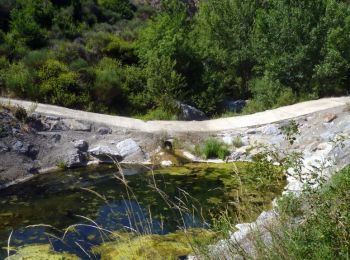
{"points": [[268, 94], [212, 148], [18, 79]]}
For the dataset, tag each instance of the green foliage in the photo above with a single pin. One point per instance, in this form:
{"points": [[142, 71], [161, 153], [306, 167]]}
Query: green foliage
{"points": [[121, 8], [120, 49], [18, 79], [324, 232], [164, 84], [29, 20], [107, 88], [158, 114], [290, 131], [59, 85], [212, 148], [272, 52], [268, 93], [222, 35]]}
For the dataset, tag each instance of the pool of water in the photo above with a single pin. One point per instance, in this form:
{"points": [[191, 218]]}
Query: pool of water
{"points": [[143, 201]]}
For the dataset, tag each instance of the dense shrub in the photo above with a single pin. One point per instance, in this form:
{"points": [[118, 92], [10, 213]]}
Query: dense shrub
{"points": [[269, 93], [18, 79]]}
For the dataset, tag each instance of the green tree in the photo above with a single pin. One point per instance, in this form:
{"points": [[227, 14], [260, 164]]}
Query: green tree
{"points": [[29, 21], [59, 85], [160, 47], [108, 87], [287, 40], [331, 75], [222, 37]]}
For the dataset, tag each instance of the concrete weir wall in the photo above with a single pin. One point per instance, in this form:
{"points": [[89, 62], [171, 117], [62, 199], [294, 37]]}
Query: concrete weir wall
{"points": [[215, 125]]}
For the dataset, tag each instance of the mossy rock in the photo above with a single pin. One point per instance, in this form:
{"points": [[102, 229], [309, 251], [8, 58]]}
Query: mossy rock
{"points": [[40, 252], [170, 246]]}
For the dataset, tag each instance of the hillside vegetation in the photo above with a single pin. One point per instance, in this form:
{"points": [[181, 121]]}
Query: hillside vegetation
{"points": [[133, 58]]}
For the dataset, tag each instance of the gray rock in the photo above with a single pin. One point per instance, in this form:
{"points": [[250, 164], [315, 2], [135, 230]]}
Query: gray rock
{"points": [[75, 158], [251, 132], [57, 126], [76, 125], [270, 130], [35, 115], [36, 123], [81, 145], [56, 138], [189, 113], [104, 131], [53, 118], [20, 147], [128, 147], [4, 148], [25, 149], [234, 105], [105, 153]]}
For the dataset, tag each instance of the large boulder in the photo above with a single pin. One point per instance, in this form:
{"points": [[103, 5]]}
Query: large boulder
{"points": [[128, 147], [105, 153], [190, 113], [127, 150]]}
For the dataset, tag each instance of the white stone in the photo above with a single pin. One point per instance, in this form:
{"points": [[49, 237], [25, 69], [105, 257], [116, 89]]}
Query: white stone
{"points": [[166, 163], [128, 147]]}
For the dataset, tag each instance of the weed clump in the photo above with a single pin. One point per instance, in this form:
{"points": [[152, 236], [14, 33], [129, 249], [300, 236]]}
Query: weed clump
{"points": [[213, 148], [20, 113]]}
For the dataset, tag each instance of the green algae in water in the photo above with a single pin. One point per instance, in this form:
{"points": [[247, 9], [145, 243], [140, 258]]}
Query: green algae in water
{"points": [[40, 252], [157, 202], [155, 247]]}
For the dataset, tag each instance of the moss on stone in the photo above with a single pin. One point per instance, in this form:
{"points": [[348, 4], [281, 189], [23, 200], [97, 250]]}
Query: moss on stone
{"points": [[170, 246], [40, 252]]}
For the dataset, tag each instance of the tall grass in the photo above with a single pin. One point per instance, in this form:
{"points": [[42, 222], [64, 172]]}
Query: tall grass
{"points": [[213, 148]]}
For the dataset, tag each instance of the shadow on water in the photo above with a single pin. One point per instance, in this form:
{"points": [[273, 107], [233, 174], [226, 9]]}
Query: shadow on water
{"points": [[149, 206]]}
